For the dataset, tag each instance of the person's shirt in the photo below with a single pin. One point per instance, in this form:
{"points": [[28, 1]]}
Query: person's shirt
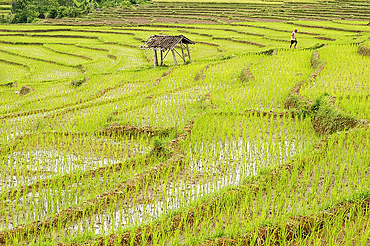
{"points": [[293, 36]]}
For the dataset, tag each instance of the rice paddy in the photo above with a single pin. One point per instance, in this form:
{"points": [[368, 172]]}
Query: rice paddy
{"points": [[249, 143]]}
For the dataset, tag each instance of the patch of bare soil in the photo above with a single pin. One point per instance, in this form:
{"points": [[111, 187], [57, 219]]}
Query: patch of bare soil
{"points": [[246, 75], [265, 20], [10, 84], [325, 27], [363, 50], [325, 38], [305, 225], [83, 22], [359, 225], [295, 98], [14, 63], [117, 129], [200, 74], [165, 74], [130, 20], [183, 21]]}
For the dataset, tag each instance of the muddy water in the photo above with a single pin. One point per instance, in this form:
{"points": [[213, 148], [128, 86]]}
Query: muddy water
{"points": [[204, 174]]}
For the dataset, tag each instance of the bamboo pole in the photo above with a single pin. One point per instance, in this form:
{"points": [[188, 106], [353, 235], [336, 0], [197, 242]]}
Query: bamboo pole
{"points": [[155, 58], [161, 57], [187, 47], [174, 57], [182, 50]]}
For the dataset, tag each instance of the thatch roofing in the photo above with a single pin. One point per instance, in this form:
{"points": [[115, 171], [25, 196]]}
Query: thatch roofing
{"points": [[165, 42]]}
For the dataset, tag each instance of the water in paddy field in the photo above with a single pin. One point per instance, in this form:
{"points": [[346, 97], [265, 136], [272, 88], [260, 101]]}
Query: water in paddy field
{"points": [[30, 166], [12, 128], [226, 163], [23, 167], [34, 166]]}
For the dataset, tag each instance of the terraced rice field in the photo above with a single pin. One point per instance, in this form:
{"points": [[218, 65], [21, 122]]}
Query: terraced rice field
{"points": [[250, 143], [227, 12], [5, 7]]}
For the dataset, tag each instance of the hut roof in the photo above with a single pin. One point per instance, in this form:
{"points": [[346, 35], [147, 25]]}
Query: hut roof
{"points": [[165, 42]]}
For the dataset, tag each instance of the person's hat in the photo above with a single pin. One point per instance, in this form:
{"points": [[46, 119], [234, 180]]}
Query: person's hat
{"points": [[296, 30]]}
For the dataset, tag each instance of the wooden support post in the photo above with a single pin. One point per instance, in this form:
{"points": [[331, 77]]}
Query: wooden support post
{"points": [[183, 53], [161, 57], [187, 47], [155, 58], [174, 57]]}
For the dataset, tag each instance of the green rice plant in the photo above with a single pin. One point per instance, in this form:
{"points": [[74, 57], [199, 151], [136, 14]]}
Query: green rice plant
{"points": [[108, 148], [271, 74], [343, 76]]}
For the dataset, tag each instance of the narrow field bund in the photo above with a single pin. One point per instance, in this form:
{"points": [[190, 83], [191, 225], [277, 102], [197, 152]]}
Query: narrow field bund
{"points": [[297, 227]]}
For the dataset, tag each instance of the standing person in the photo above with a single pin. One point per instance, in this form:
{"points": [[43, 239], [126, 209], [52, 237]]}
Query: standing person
{"points": [[293, 39]]}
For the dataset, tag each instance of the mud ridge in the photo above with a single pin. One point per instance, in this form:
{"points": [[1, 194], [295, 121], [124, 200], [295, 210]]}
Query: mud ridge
{"points": [[240, 41], [108, 32], [14, 63], [271, 28], [326, 117], [39, 30], [294, 99], [272, 114], [363, 50], [197, 33], [295, 227], [325, 38], [117, 129], [20, 43], [50, 36], [177, 222], [83, 106], [123, 45], [66, 53], [99, 172], [10, 84], [246, 75], [223, 29], [66, 106], [138, 29], [200, 74], [206, 43], [39, 59], [91, 48], [165, 74], [325, 27]]}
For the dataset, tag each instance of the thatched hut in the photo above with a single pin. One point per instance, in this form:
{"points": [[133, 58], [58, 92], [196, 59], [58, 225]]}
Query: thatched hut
{"points": [[166, 43]]}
